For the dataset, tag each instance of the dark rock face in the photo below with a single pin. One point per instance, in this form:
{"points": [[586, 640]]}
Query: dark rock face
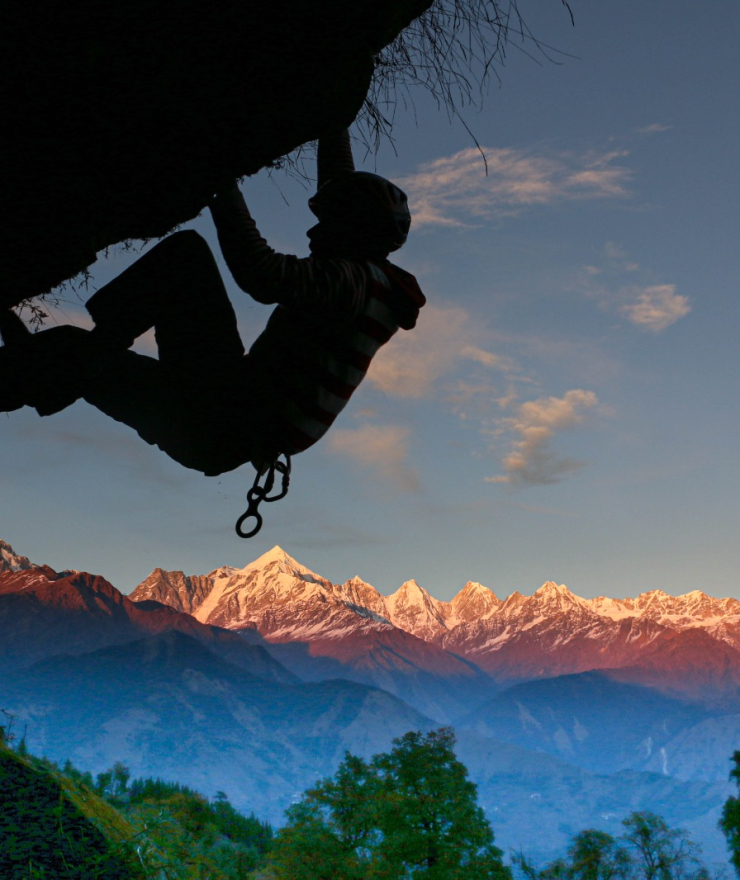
{"points": [[122, 118]]}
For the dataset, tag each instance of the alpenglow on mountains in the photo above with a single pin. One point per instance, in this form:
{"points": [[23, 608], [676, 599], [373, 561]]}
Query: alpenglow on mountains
{"points": [[681, 644], [255, 681]]}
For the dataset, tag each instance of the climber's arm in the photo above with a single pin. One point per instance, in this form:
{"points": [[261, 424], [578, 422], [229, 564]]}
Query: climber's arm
{"points": [[334, 156], [336, 286], [256, 267]]}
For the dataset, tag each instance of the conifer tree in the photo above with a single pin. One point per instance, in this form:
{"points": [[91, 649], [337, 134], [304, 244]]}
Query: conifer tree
{"points": [[409, 812]]}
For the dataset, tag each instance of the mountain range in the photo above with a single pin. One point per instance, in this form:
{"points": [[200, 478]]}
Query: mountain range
{"points": [[569, 712], [687, 645]]}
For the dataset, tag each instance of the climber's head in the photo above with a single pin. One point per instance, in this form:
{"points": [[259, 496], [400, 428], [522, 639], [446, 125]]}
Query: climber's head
{"points": [[360, 214]]}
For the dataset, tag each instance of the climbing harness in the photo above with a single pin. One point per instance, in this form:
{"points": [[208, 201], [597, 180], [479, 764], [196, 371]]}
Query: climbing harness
{"points": [[259, 493]]}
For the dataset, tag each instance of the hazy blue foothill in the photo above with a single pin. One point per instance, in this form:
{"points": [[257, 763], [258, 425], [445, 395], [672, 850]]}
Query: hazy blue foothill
{"points": [[260, 719], [166, 706], [602, 724]]}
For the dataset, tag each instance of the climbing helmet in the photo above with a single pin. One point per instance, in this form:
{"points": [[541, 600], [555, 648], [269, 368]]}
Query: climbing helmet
{"points": [[369, 201]]}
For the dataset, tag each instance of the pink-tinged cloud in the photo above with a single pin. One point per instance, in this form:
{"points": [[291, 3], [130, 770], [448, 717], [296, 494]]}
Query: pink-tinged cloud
{"points": [[536, 423], [657, 307], [455, 190], [412, 363], [383, 449]]}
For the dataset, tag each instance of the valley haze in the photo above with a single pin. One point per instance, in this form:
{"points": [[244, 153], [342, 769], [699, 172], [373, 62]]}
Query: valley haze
{"points": [[569, 712]]}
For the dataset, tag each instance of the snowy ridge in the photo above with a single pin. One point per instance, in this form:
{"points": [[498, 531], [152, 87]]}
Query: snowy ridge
{"points": [[412, 609], [690, 642], [284, 600], [10, 561]]}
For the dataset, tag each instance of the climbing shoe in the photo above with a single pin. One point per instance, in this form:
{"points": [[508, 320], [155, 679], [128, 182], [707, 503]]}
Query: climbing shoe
{"points": [[12, 329], [46, 370]]}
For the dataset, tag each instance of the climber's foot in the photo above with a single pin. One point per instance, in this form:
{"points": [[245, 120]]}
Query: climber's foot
{"points": [[12, 329], [44, 370]]}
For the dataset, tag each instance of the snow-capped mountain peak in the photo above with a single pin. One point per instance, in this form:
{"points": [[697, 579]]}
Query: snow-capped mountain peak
{"points": [[277, 560], [474, 602], [409, 589], [410, 596], [513, 601], [694, 608], [613, 609], [413, 609], [10, 561], [552, 631], [274, 579], [550, 588], [651, 597], [358, 595], [558, 596]]}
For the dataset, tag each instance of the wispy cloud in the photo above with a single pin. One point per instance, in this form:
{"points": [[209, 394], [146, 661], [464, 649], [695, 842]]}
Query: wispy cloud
{"points": [[536, 423], [123, 447], [618, 259], [654, 128], [545, 511], [455, 191], [655, 308], [412, 364], [380, 447], [648, 306]]}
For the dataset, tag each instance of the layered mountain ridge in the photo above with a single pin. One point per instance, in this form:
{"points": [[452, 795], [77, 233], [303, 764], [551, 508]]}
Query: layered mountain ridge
{"points": [[276, 577], [551, 632], [44, 613], [258, 678]]}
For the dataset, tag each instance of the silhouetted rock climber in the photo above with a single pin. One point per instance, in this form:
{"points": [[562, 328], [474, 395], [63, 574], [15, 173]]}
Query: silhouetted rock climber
{"points": [[205, 402]]}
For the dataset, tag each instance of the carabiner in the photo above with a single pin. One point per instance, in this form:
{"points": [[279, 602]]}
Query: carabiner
{"points": [[257, 494], [249, 512]]}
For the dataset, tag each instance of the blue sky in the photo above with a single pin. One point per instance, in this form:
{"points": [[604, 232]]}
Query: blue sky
{"points": [[567, 408]]}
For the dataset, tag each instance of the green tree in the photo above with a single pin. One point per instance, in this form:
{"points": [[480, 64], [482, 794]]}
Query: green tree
{"points": [[596, 855], [660, 852], [557, 870], [121, 775], [409, 812], [730, 820], [103, 782], [592, 855], [648, 850], [186, 837]]}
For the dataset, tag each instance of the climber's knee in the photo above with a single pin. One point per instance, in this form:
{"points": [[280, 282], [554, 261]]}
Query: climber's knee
{"points": [[186, 244]]}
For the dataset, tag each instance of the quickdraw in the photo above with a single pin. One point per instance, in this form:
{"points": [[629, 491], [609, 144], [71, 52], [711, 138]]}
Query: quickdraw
{"points": [[259, 493]]}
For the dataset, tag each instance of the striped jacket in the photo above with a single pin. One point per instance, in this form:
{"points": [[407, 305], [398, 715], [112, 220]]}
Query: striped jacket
{"points": [[332, 317]]}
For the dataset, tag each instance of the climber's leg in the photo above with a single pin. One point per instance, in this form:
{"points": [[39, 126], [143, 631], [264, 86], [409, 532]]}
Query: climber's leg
{"points": [[176, 288], [206, 423], [199, 402], [195, 402]]}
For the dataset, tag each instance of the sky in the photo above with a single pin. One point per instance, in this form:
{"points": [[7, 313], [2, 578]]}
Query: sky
{"points": [[567, 407]]}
